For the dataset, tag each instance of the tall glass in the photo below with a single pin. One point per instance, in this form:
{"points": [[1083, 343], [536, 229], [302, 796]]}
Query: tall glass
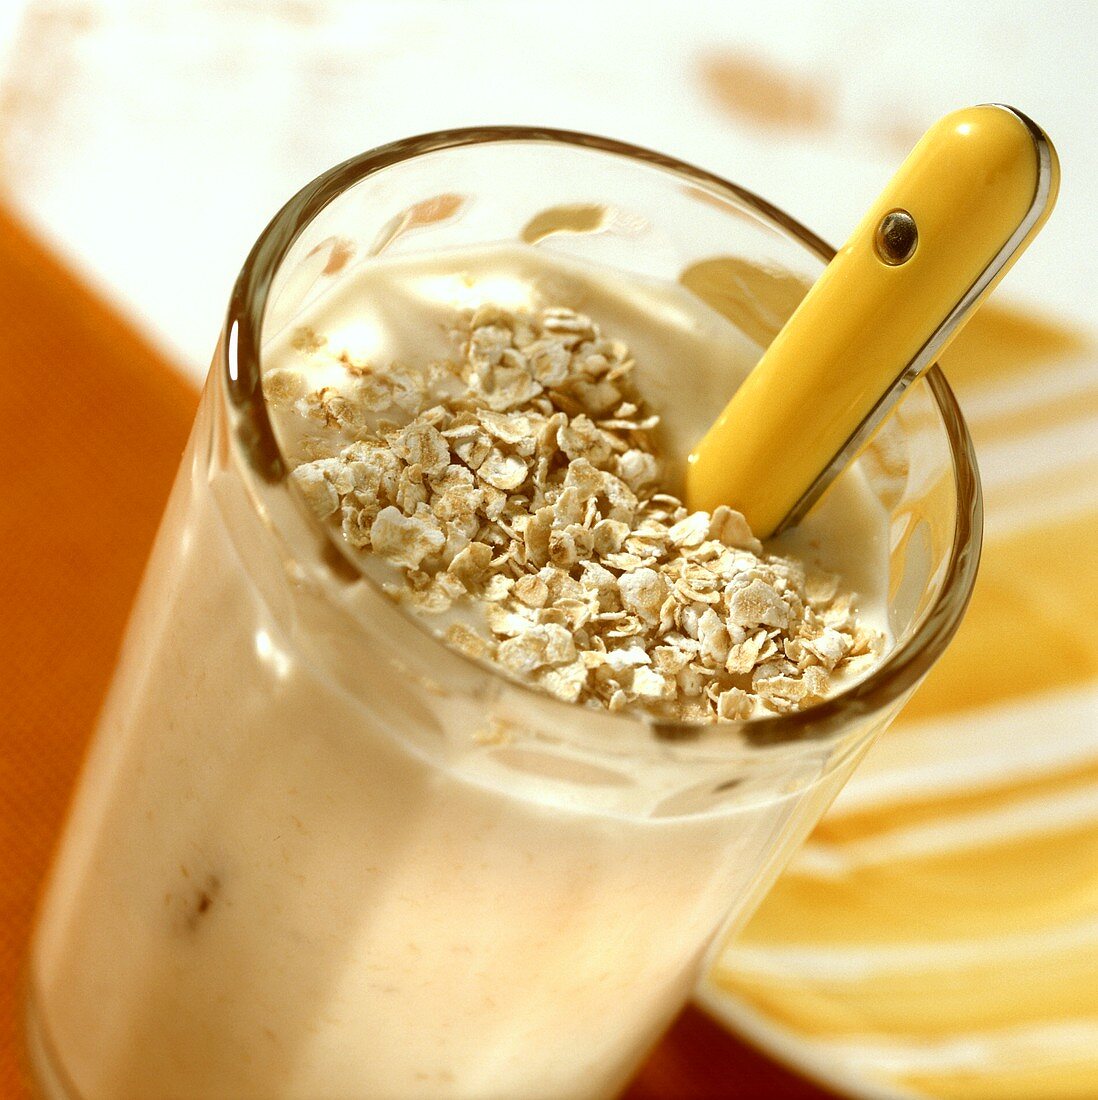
{"points": [[315, 852]]}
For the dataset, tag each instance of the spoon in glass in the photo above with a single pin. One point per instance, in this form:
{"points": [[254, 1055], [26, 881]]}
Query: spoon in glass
{"points": [[962, 208]]}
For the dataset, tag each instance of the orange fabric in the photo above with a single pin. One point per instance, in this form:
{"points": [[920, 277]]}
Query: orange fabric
{"points": [[699, 1060], [94, 422]]}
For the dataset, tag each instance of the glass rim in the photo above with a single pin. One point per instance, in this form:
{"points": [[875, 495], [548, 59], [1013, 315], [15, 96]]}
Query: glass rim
{"points": [[241, 375]]}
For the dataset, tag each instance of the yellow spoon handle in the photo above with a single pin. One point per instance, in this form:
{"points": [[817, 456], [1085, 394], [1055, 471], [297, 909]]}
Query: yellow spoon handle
{"points": [[960, 210]]}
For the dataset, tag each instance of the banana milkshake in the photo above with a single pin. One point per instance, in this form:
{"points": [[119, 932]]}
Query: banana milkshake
{"points": [[430, 825]]}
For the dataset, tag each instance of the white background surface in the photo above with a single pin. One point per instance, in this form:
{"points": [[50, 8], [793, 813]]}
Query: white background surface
{"points": [[153, 140]]}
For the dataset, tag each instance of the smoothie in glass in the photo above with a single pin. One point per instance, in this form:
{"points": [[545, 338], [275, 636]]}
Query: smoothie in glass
{"points": [[318, 852]]}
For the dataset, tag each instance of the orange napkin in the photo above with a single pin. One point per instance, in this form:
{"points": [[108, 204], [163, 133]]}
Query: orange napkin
{"points": [[94, 424], [95, 420]]}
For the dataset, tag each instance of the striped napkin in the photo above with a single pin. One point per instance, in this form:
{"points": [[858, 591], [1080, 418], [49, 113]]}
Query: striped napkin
{"points": [[938, 935]]}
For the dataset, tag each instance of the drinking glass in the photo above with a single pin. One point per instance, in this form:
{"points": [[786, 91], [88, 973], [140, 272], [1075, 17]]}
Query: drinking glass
{"points": [[316, 852]]}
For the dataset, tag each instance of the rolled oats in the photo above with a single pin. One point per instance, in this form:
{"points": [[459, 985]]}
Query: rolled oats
{"points": [[526, 497]]}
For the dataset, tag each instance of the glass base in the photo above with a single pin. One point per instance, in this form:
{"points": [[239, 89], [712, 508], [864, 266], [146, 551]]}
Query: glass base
{"points": [[48, 1080]]}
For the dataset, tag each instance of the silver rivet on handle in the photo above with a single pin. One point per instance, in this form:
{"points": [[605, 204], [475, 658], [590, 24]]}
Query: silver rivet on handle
{"points": [[897, 238]]}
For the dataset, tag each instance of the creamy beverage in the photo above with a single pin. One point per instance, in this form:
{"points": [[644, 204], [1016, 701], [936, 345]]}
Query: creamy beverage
{"points": [[518, 481], [308, 860]]}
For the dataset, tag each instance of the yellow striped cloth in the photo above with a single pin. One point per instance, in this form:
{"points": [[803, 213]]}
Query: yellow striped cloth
{"points": [[938, 935]]}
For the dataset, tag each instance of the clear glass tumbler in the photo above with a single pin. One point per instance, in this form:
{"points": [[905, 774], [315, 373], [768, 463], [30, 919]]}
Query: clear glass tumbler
{"points": [[303, 860]]}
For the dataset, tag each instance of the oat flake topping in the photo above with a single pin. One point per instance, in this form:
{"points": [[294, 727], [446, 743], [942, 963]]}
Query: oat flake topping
{"points": [[521, 483]]}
